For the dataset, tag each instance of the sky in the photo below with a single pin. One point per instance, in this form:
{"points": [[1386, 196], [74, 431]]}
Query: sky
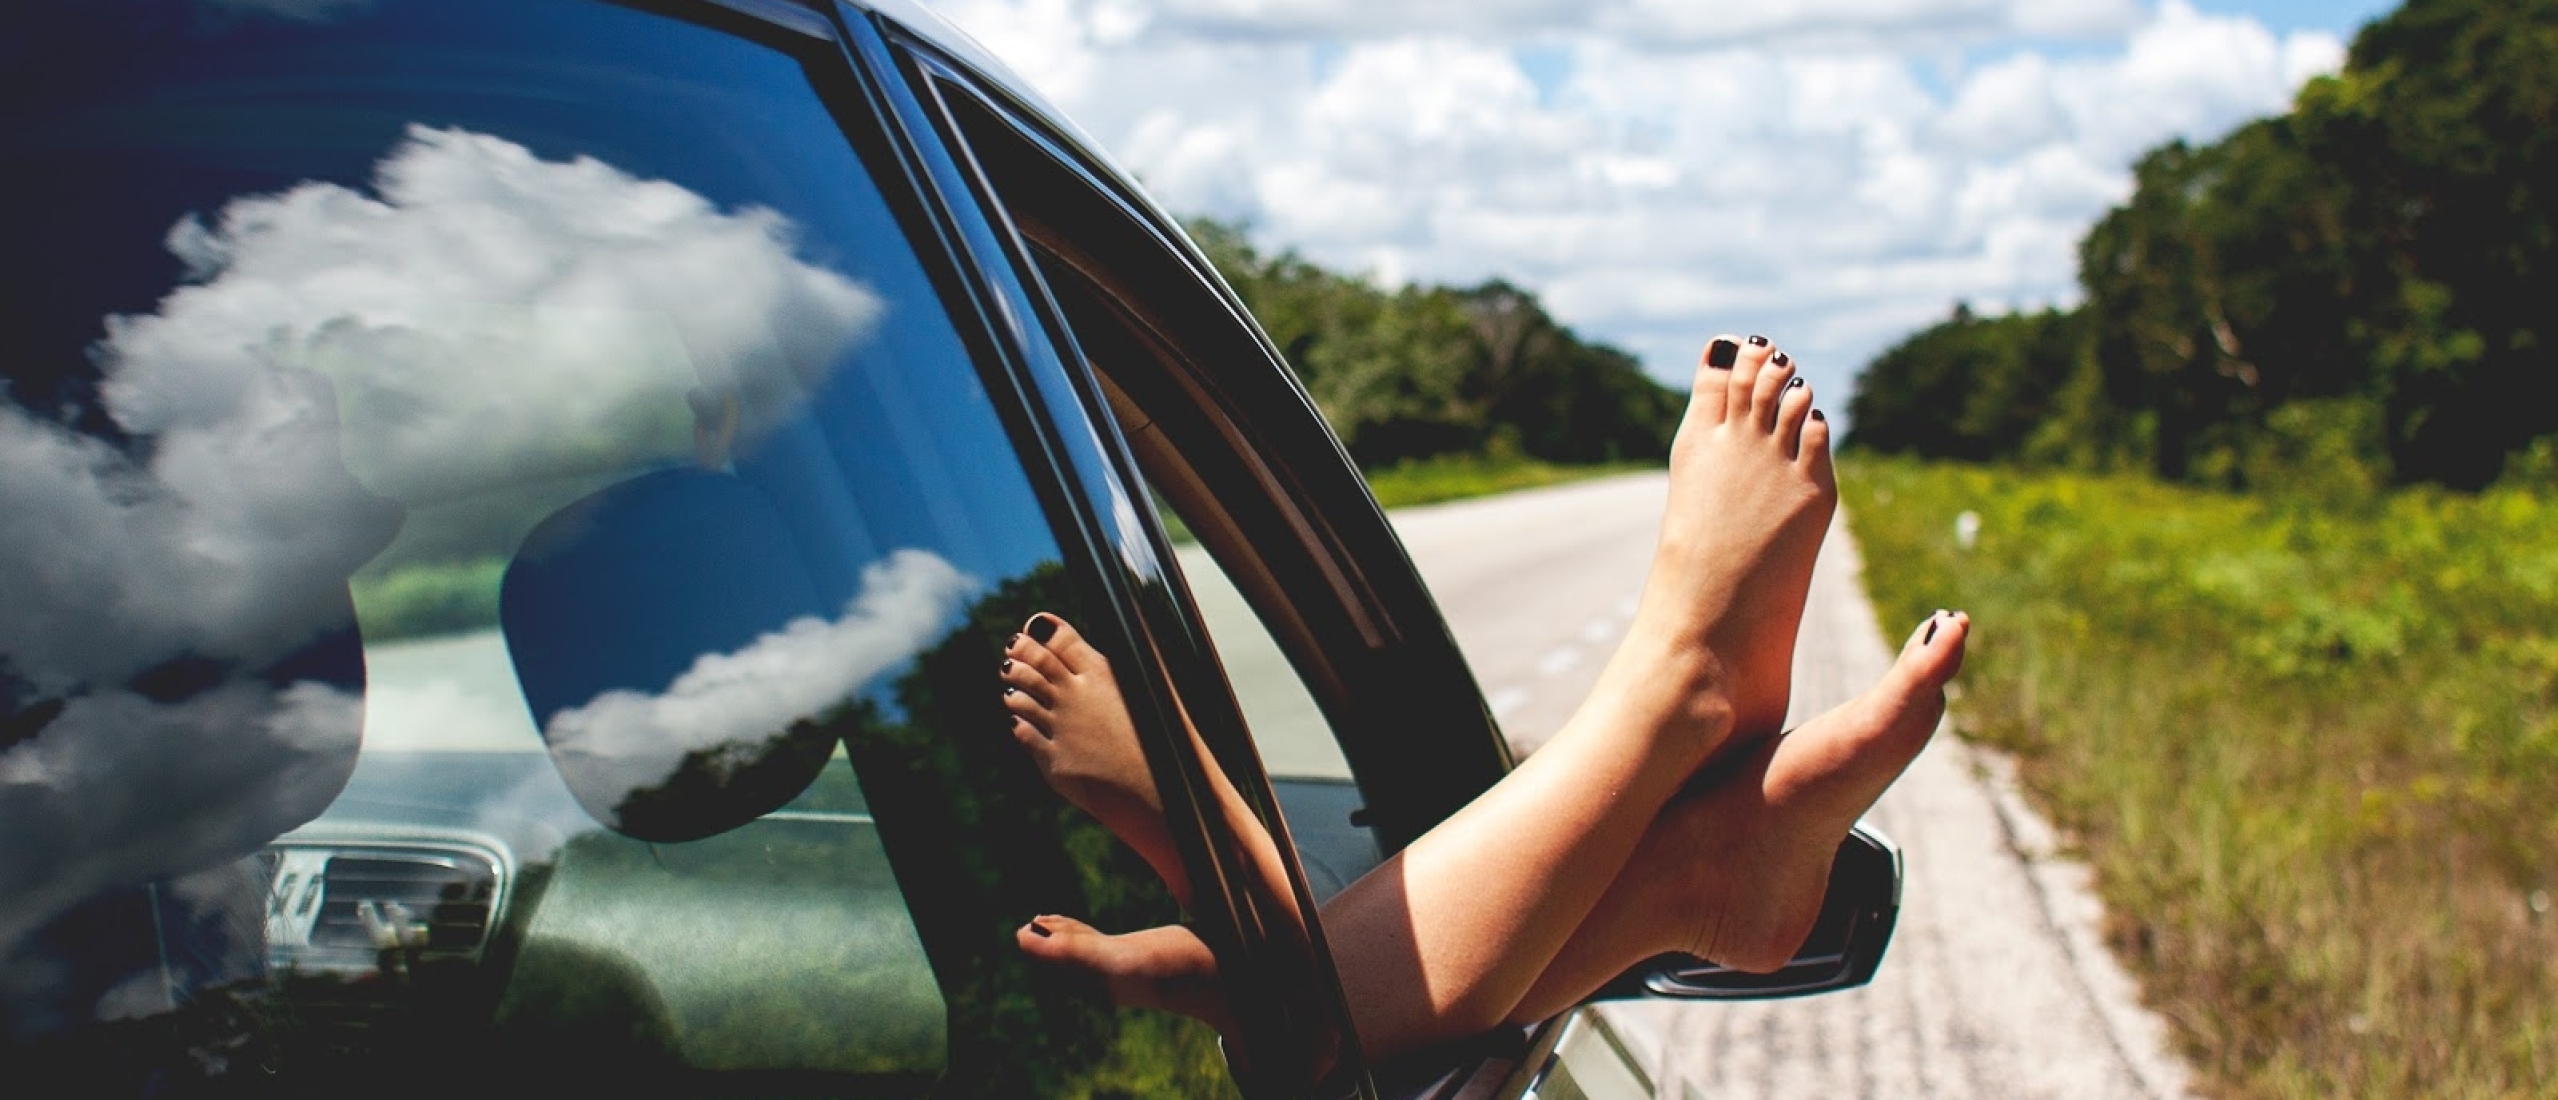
{"points": [[1834, 174]]}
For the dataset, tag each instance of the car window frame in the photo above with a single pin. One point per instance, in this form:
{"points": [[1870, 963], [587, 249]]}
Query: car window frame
{"points": [[1076, 459], [1315, 527], [1420, 740]]}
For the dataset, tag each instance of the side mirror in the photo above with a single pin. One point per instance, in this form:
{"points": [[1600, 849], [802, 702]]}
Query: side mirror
{"points": [[1843, 950]]}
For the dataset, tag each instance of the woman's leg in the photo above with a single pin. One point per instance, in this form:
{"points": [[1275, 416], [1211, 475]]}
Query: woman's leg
{"points": [[1735, 870], [1449, 935]]}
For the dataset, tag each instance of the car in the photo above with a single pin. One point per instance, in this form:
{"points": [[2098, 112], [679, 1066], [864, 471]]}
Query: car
{"points": [[513, 511]]}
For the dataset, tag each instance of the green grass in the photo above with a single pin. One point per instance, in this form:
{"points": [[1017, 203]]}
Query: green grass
{"points": [[1457, 477], [2311, 750]]}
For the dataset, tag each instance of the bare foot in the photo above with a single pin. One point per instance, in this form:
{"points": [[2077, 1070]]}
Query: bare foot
{"points": [[1751, 495], [1735, 871], [1165, 968], [1068, 713]]}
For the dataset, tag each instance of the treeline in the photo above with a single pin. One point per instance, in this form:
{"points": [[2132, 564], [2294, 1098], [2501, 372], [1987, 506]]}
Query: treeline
{"points": [[2364, 289], [1424, 371]]}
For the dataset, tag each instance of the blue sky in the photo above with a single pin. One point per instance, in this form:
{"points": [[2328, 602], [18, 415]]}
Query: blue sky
{"points": [[2340, 17], [1833, 173]]}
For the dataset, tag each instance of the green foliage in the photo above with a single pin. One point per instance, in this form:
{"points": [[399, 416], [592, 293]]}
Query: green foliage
{"points": [[2311, 752], [1421, 371], [429, 598], [1971, 388], [2392, 241]]}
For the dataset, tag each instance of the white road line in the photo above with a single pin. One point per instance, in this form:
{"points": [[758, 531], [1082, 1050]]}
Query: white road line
{"points": [[1506, 702], [1559, 661]]}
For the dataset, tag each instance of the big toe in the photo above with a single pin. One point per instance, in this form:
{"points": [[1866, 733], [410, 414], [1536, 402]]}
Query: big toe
{"points": [[1060, 637], [1934, 652], [1063, 940]]}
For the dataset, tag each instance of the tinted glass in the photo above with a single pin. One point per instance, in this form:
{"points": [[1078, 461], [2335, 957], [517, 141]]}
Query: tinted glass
{"points": [[505, 561]]}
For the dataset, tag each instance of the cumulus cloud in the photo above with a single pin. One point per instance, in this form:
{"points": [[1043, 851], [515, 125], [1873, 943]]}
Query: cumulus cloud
{"points": [[226, 544], [730, 706], [477, 316], [122, 788], [1834, 172], [487, 314]]}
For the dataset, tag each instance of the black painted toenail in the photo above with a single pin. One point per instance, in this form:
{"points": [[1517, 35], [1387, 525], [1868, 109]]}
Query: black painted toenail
{"points": [[1721, 353], [1039, 928], [1010, 691], [1797, 384], [1758, 341], [1043, 628], [1783, 360], [1931, 632], [1008, 667], [1816, 415]]}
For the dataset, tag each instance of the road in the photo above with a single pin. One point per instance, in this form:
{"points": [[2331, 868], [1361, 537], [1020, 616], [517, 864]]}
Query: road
{"points": [[1996, 984]]}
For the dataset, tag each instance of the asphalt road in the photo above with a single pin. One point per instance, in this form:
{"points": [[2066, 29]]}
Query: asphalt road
{"points": [[1996, 984]]}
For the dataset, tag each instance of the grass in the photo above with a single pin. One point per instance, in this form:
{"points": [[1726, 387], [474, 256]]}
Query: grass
{"points": [[2310, 748], [1457, 477]]}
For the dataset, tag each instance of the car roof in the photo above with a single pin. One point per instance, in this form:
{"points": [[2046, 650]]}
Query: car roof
{"points": [[928, 24]]}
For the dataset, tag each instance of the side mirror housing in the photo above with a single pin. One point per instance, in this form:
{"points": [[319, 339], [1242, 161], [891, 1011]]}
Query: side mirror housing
{"points": [[1843, 951]]}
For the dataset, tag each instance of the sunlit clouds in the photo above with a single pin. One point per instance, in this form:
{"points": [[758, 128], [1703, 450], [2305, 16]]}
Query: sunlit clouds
{"points": [[1833, 172], [486, 313], [336, 361], [122, 788], [728, 707]]}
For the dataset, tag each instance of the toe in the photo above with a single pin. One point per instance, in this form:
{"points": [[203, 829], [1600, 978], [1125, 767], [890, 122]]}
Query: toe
{"points": [[1027, 707], [1030, 658], [1021, 674], [1742, 398], [1793, 411], [1712, 396], [1059, 939], [1935, 650], [1061, 639], [1767, 392]]}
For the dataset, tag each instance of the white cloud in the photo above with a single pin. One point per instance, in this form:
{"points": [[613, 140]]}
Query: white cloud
{"points": [[1832, 172], [481, 314], [733, 705], [122, 789], [489, 317], [487, 314]]}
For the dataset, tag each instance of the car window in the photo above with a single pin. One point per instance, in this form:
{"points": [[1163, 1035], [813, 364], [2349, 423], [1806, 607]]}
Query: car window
{"points": [[508, 554]]}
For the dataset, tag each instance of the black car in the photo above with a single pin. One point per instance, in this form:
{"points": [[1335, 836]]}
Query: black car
{"points": [[509, 510]]}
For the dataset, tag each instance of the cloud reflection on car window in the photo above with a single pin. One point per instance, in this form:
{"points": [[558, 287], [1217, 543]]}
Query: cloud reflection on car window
{"points": [[338, 360]]}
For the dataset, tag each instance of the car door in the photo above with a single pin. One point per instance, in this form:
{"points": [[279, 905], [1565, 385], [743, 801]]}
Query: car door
{"points": [[515, 511], [1353, 697]]}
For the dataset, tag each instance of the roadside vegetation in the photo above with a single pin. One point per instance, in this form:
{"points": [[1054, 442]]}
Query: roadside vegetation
{"points": [[2265, 565], [2309, 747], [2265, 558], [1443, 380]]}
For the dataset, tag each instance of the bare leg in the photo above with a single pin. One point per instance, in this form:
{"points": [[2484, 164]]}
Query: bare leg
{"points": [[1735, 872], [1450, 934]]}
